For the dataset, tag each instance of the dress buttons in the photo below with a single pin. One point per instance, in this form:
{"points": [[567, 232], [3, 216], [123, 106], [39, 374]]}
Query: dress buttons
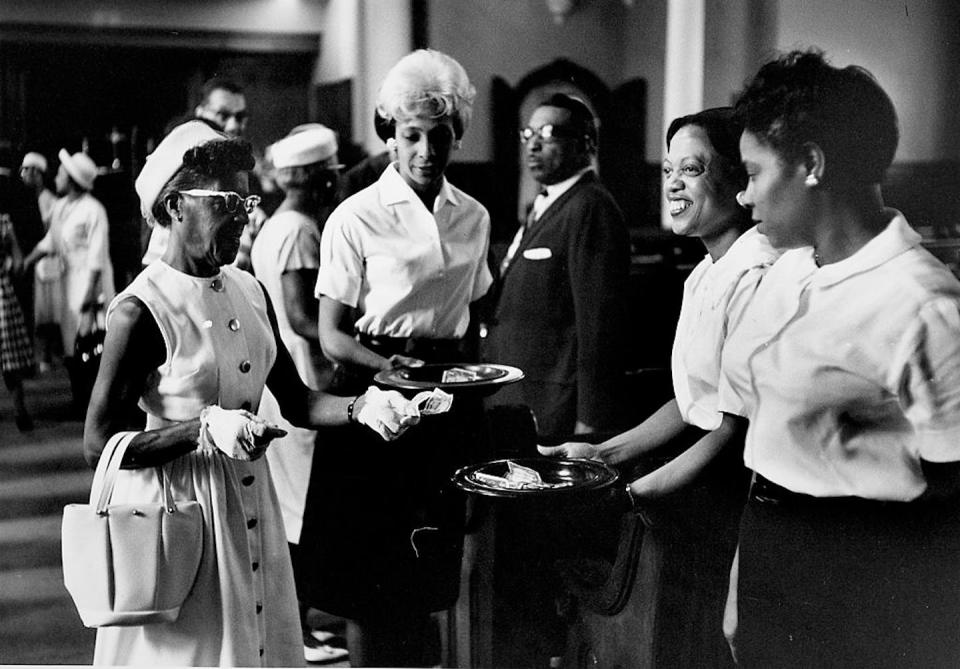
{"points": [[255, 566], [217, 285], [245, 366], [259, 607], [261, 652], [248, 480], [252, 523], [233, 324], [247, 406]]}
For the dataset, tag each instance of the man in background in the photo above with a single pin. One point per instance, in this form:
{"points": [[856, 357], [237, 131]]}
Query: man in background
{"points": [[223, 105], [563, 283]]}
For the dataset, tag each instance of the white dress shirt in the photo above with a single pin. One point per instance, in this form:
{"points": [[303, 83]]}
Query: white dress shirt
{"points": [[714, 295], [409, 271], [850, 373]]}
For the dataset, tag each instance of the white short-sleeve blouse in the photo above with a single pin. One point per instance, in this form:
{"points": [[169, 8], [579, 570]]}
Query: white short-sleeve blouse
{"points": [[713, 296], [850, 373], [411, 272]]}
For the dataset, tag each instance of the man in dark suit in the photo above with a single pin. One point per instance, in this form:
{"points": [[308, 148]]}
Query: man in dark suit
{"points": [[563, 283]]}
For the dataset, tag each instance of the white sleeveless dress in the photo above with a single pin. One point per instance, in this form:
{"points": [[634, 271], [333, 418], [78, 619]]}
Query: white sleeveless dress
{"points": [[242, 610]]}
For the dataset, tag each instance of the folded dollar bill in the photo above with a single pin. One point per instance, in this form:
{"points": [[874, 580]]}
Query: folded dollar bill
{"points": [[429, 402], [459, 375], [517, 477]]}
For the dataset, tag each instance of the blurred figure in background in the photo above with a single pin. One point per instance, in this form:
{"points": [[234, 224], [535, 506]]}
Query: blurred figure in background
{"points": [[48, 273], [286, 257], [79, 237], [33, 173], [16, 349], [20, 203]]}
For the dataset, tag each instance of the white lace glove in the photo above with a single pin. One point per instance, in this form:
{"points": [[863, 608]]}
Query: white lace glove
{"points": [[385, 412], [236, 433]]}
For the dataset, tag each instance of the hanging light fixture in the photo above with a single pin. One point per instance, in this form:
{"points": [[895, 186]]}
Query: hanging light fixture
{"points": [[561, 9]]}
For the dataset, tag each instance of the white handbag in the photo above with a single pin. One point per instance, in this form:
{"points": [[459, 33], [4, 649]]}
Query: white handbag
{"points": [[129, 564]]}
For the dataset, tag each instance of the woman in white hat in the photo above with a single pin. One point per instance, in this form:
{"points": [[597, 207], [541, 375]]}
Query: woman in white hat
{"points": [[48, 279], [286, 257], [79, 236], [193, 342]]}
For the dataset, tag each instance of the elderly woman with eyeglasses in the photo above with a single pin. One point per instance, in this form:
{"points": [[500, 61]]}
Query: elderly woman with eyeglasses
{"points": [[401, 263], [192, 342]]}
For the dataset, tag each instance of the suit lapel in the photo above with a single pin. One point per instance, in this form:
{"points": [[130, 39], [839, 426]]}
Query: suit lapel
{"points": [[534, 230]]}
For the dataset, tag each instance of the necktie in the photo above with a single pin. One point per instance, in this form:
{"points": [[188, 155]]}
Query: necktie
{"points": [[532, 216]]}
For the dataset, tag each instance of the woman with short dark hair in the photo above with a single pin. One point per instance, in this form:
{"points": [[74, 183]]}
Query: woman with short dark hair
{"points": [[702, 176], [848, 363]]}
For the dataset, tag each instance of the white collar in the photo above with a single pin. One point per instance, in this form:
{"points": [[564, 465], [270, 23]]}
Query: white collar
{"points": [[556, 190], [893, 240], [393, 189]]}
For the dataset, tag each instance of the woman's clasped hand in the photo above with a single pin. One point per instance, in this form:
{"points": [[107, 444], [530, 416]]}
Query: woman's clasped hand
{"points": [[236, 433]]}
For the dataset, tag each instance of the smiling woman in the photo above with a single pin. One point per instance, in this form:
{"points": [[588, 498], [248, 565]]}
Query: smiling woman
{"points": [[702, 175]]}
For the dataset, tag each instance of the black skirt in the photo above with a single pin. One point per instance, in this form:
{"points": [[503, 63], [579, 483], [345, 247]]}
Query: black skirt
{"points": [[847, 582], [383, 526]]}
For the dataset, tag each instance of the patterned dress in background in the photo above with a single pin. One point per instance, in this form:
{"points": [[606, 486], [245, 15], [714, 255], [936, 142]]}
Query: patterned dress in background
{"points": [[16, 349]]}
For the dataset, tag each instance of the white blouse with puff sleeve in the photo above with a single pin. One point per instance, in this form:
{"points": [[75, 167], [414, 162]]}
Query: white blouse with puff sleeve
{"points": [[850, 373], [714, 295]]}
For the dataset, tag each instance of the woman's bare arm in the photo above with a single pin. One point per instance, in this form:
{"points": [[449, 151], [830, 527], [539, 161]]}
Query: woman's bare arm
{"points": [[132, 349]]}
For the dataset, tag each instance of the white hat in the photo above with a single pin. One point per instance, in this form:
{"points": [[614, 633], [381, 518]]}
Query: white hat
{"points": [[34, 159], [305, 147], [167, 158], [80, 167]]}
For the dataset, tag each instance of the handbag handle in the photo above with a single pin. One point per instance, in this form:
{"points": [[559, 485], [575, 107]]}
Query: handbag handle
{"points": [[105, 477]]}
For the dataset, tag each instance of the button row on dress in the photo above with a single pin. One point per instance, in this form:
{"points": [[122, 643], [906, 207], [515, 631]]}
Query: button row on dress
{"points": [[245, 366], [217, 285], [252, 523]]}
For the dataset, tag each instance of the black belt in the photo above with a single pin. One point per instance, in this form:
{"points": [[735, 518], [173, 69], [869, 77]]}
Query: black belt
{"points": [[764, 491], [431, 350]]}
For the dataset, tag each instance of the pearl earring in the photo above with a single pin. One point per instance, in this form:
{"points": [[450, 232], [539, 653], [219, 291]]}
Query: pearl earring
{"points": [[740, 197], [812, 180]]}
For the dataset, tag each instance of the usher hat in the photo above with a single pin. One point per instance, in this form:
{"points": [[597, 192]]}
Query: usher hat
{"points": [[34, 159], [306, 146], [167, 158], [80, 167]]}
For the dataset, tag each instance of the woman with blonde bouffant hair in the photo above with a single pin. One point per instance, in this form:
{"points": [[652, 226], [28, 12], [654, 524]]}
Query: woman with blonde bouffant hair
{"points": [[401, 263]]}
